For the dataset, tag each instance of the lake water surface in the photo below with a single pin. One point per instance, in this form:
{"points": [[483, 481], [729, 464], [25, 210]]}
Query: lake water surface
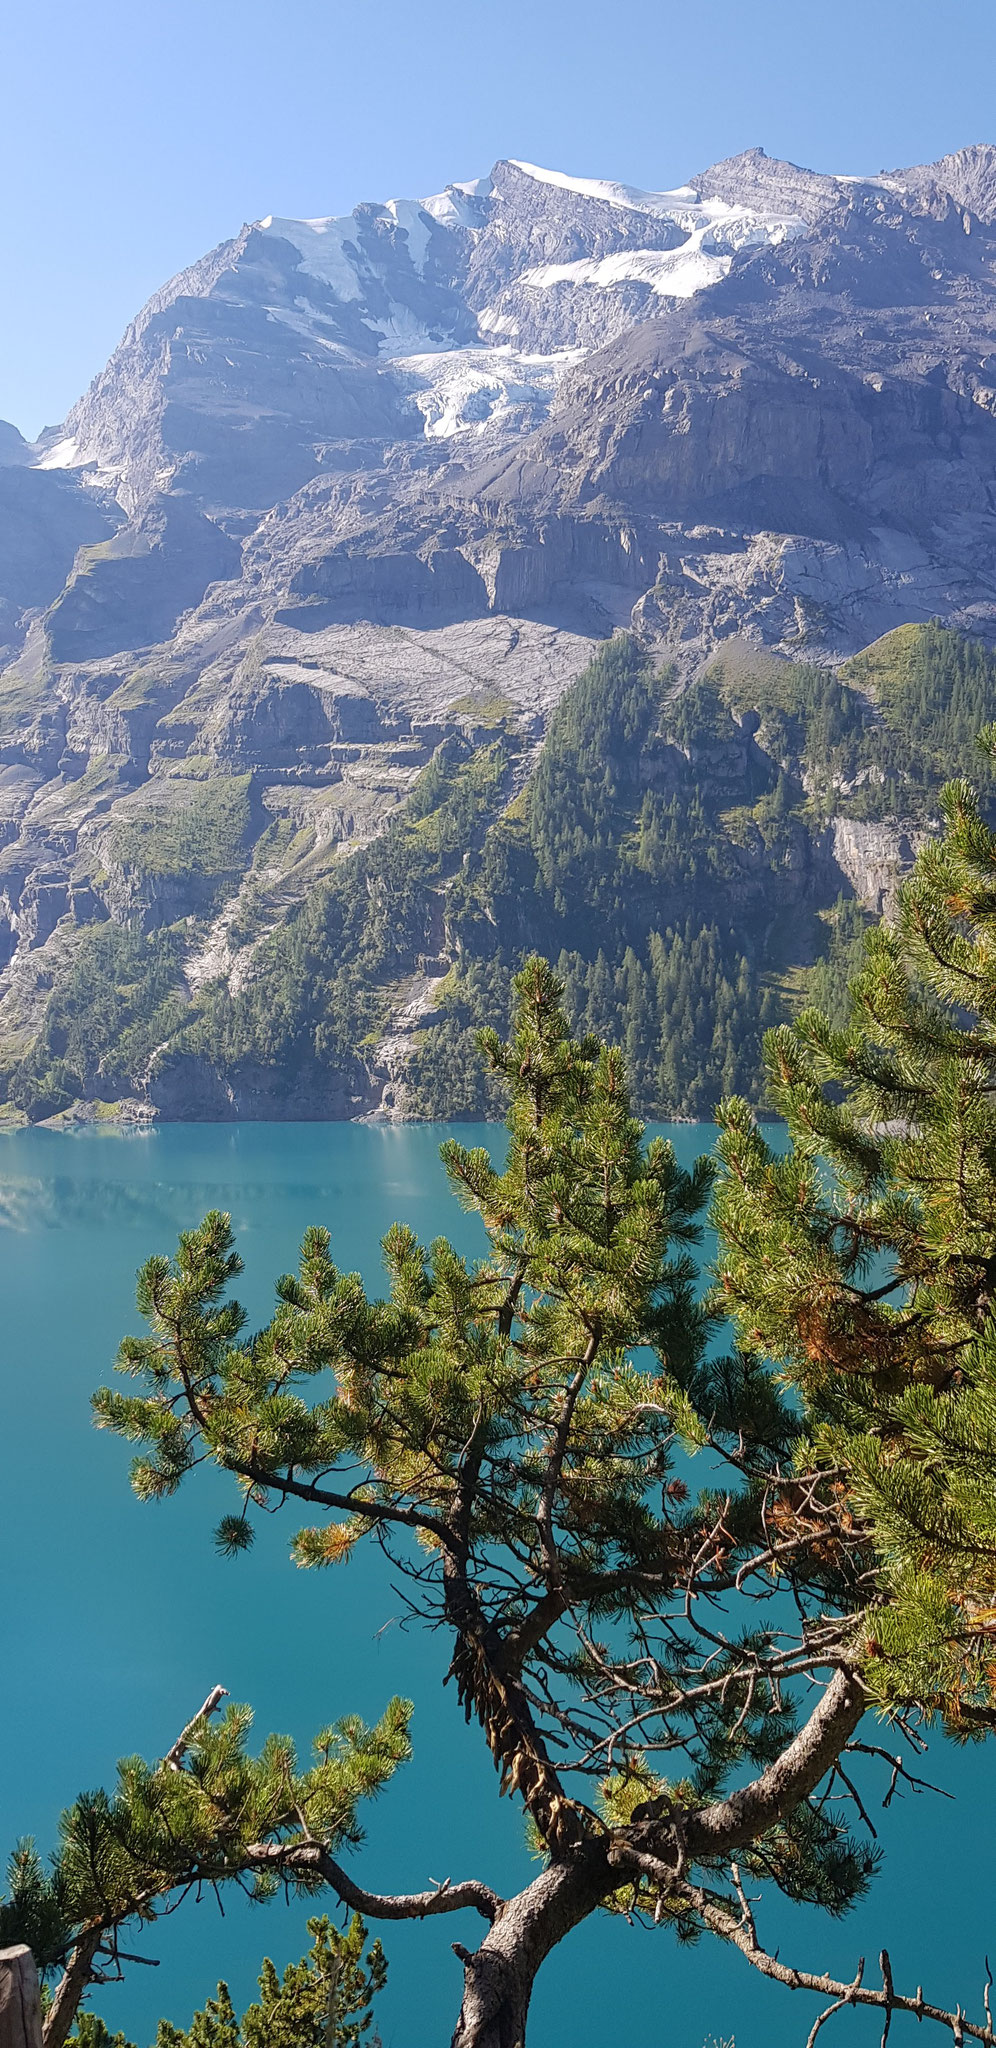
{"points": [[120, 1617]]}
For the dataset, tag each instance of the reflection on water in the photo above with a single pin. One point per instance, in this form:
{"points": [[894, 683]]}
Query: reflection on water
{"points": [[163, 1180], [62, 1202]]}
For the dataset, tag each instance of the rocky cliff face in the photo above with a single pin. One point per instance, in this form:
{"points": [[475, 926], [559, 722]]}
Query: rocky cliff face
{"points": [[345, 478]]}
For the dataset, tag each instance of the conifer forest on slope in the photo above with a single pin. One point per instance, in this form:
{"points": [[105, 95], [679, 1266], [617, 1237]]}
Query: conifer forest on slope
{"points": [[698, 862]]}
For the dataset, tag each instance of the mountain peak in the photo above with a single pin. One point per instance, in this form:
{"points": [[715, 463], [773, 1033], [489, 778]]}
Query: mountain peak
{"points": [[968, 174], [341, 467]]}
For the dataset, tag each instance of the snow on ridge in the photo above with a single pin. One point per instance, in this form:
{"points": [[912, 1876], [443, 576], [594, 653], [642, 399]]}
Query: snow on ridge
{"points": [[738, 225], [606, 189], [714, 227], [327, 245], [455, 208], [671, 273]]}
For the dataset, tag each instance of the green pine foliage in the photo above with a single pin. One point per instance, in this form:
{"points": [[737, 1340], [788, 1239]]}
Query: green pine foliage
{"points": [[93, 2032], [123, 995], [668, 1682], [497, 1411], [324, 2001], [207, 1818], [863, 1262]]}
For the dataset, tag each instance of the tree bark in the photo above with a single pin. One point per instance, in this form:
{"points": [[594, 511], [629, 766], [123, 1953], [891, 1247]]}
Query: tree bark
{"points": [[72, 1984], [20, 2003], [729, 1824], [499, 1976]]}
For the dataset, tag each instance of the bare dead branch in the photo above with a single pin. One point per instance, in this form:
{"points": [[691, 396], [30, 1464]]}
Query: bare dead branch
{"points": [[828, 2012], [173, 1760], [888, 2000], [889, 1990], [898, 1771]]}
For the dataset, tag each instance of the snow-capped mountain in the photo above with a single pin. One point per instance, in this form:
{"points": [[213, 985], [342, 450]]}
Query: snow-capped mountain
{"points": [[344, 475], [431, 317]]}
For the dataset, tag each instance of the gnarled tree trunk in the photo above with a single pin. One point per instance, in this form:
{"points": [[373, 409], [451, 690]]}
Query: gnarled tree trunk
{"points": [[499, 1976]]}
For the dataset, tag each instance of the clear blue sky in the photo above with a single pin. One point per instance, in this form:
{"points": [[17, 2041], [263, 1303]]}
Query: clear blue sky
{"points": [[136, 135]]}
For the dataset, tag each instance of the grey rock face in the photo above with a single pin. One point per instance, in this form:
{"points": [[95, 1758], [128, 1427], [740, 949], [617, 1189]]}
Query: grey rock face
{"points": [[14, 448], [131, 590], [44, 518], [874, 858], [345, 481], [968, 174]]}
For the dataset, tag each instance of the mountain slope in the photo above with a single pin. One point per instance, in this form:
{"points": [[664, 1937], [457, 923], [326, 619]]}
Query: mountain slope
{"points": [[354, 503]]}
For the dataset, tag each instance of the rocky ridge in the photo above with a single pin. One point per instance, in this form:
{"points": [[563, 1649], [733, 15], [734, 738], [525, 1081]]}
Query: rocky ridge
{"points": [[347, 483]]}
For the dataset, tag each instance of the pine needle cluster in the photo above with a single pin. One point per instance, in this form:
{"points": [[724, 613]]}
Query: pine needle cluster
{"points": [[516, 1431], [669, 1680], [862, 1260]]}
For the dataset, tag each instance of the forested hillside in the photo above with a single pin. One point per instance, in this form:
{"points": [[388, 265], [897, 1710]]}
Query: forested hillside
{"points": [[675, 853], [697, 861]]}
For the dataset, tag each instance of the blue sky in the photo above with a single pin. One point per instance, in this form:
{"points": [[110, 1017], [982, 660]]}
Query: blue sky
{"points": [[135, 136]]}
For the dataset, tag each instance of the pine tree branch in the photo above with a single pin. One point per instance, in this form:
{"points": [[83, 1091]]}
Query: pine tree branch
{"points": [[173, 1760], [79, 1972], [321, 1496], [888, 2000], [77, 1975], [286, 1859], [558, 1452], [731, 1824], [538, 1622]]}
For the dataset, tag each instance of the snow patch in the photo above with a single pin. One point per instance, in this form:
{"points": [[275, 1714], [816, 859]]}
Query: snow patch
{"points": [[307, 320], [611, 193], [674, 273], [465, 390], [326, 248], [670, 273], [64, 454], [455, 207], [404, 334], [413, 216]]}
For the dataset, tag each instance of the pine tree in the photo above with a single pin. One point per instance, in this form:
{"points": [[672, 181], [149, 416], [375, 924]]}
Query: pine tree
{"points": [[512, 1431], [207, 1815], [325, 2001], [500, 1432], [863, 1262]]}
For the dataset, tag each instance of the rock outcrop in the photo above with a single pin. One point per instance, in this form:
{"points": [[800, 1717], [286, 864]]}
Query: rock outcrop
{"points": [[345, 479]]}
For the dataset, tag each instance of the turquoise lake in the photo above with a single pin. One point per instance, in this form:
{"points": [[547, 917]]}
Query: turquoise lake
{"points": [[120, 1617]]}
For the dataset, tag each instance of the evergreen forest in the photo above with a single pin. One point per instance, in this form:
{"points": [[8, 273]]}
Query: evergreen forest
{"points": [[674, 851]]}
